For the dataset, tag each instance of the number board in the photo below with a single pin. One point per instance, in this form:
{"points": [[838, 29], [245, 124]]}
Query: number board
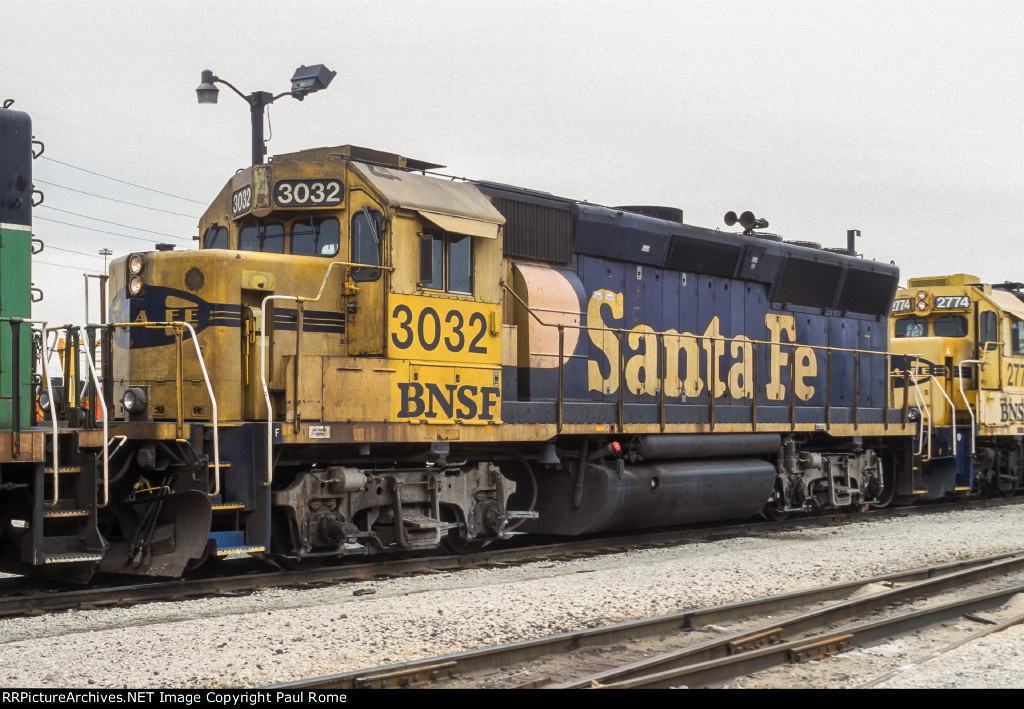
{"points": [[308, 193], [446, 330], [241, 201], [952, 302], [901, 305]]}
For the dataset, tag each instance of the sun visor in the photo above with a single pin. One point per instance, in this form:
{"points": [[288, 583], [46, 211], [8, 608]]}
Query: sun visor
{"points": [[460, 225], [452, 205]]}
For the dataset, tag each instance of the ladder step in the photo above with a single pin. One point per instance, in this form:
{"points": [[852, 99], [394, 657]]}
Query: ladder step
{"points": [[71, 558], [422, 522], [70, 469], [228, 506], [222, 464], [233, 543], [230, 551], [65, 513]]}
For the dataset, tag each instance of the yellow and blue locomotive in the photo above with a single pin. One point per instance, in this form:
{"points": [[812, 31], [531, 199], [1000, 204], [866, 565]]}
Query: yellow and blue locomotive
{"points": [[365, 356]]}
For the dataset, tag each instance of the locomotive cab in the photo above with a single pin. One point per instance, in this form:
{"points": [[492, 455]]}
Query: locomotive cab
{"points": [[337, 298]]}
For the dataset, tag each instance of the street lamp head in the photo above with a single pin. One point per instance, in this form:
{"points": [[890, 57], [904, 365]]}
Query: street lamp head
{"points": [[308, 79], [206, 91]]}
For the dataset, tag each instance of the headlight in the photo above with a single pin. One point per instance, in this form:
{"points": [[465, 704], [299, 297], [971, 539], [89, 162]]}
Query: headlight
{"points": [[135, 263], [135, 285], [134, 400], [44, 400]]}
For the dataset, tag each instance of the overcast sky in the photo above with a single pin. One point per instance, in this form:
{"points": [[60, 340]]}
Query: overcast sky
{"points": [[901, 119]]}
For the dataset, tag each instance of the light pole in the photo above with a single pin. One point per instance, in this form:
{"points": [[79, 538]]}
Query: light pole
{"points": [[105, 253], [306, 80]]}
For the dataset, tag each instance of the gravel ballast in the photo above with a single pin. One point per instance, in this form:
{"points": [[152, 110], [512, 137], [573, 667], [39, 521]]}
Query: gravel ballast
{"points": [[277, 636]]}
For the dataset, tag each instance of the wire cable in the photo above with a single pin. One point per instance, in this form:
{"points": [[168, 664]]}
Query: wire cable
{"points": [[101, 231], [123, 182], [60, 265], [47, 247], [126, 226], [119, 201]]}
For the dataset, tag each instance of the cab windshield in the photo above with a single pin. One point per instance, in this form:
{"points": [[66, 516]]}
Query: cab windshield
{"points": [[941, 326], [310, 236]]}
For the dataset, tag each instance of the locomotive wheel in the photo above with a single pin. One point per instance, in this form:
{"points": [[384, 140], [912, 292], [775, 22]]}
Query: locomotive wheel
{"points": [[1007, 488], [888, 483], [774, 514], [455, 544], [299, 564], [281, 548]]}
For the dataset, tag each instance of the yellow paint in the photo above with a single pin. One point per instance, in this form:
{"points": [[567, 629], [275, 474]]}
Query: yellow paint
{"points": [[741, 382], [675, 344], [605, 341], [642, 370], [777, 326], [447, 394], [442, 330], [683, 353]]}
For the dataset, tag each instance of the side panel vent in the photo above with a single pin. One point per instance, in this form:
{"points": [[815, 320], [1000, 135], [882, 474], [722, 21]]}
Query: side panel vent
{"points": [[867, 292], [703, 256], [536, 231], [809, 283]]}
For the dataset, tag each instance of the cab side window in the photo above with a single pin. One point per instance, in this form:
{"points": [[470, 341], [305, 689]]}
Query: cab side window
{"points": [[216, 237], [367, 244], [1017, 336], [987, 326], [451, 263]]}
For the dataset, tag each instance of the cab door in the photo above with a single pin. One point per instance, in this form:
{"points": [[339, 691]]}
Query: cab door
{"points": [[254, 405], [1013, 358], [990, 346], [366, 284]]}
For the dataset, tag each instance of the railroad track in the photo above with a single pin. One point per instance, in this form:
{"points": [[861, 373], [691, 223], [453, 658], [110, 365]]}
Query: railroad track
{"points": [[826, 620], [20, 596]]}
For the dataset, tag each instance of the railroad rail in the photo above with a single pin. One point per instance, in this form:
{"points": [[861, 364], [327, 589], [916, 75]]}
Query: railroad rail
{"points": [[22, 596], [810, 634]]}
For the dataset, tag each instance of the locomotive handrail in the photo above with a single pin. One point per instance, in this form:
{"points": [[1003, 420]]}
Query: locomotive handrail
{"points": [[952, 408], [53, 416], [791, 347], [106, 423], [926, 427], [177, 325], [919, 398], [263, 356], [49, 392], [724, 338], [964, 397]]}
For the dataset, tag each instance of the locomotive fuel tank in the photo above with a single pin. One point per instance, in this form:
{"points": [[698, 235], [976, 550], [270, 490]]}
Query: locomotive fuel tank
{"points": [[652, 494]]}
